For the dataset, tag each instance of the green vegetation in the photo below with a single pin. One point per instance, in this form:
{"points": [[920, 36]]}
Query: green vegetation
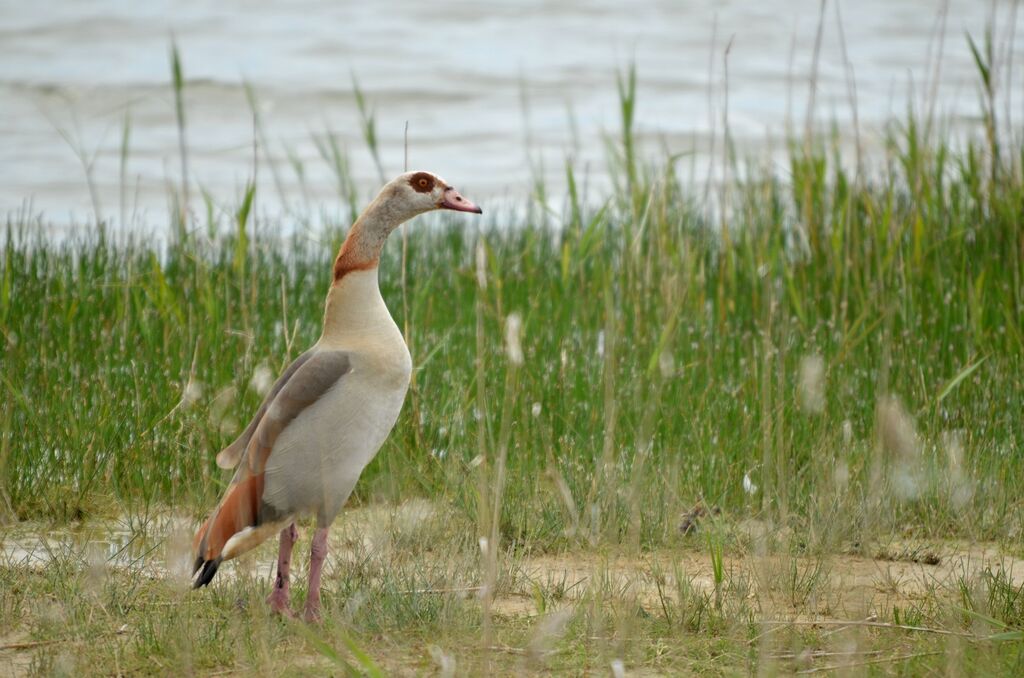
{"points": [[831, 359]]}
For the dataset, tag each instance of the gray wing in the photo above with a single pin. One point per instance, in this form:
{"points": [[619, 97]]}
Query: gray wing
{"points": [[230, 455], [317, 375]]}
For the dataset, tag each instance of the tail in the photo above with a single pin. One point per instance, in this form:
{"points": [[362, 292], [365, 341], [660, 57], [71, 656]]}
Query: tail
{"points": [[238, 512], [206, 570]]}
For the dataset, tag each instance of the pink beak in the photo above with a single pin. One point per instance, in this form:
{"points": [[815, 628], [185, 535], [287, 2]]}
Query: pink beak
{"points": [[451, 200]]}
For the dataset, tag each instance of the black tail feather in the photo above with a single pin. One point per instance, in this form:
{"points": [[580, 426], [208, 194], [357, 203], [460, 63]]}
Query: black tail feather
{"points": [[209, 568]]}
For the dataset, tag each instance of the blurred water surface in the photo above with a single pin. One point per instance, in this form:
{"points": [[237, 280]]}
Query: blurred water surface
{"points": [[494, 94]]}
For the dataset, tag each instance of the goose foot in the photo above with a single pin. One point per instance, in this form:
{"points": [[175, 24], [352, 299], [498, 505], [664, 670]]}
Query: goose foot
{"points": [[280, 604]]}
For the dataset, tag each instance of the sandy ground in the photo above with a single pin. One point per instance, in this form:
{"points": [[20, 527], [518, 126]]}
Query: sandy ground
{"points": [[836, 586], [831, 587]]}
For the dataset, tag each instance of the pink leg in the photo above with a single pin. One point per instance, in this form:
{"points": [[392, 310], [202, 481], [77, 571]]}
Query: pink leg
{"points": [[279, 598], [317, 554]]}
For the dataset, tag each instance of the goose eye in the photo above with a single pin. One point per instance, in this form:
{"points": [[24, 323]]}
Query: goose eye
{"points": [[421, 182]]}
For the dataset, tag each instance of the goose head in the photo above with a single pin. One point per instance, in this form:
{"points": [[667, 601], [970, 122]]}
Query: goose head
{"points": [[401, 199], [417, 192]]}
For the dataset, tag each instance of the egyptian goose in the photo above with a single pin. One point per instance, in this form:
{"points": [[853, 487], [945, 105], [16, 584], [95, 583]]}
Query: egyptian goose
{"points": [[328, 414]]}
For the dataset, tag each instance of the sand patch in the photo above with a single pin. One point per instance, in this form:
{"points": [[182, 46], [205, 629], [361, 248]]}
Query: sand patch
{"points": [[837, 586]]}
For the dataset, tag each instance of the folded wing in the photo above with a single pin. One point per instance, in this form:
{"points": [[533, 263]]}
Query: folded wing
{"points": [[232, 454]]}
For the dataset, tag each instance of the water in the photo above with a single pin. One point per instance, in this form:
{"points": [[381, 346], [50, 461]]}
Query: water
{"points": [[493, 95]]}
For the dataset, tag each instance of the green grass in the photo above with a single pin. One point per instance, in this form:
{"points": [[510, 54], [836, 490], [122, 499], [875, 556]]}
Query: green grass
{"points": [[850, 343], [657, 357]]}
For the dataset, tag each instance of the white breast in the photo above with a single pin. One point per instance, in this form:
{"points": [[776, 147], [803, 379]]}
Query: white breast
{"points": [[318, 458]]}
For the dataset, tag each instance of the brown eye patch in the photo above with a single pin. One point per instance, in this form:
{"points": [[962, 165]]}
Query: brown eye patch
{"points": [[422, 182]]}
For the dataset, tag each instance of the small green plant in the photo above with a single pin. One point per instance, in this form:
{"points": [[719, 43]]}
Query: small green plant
{"points": [[715, 552]]}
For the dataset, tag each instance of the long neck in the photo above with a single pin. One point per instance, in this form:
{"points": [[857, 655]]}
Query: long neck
{"points": [[354, 301], [361, 249]]}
